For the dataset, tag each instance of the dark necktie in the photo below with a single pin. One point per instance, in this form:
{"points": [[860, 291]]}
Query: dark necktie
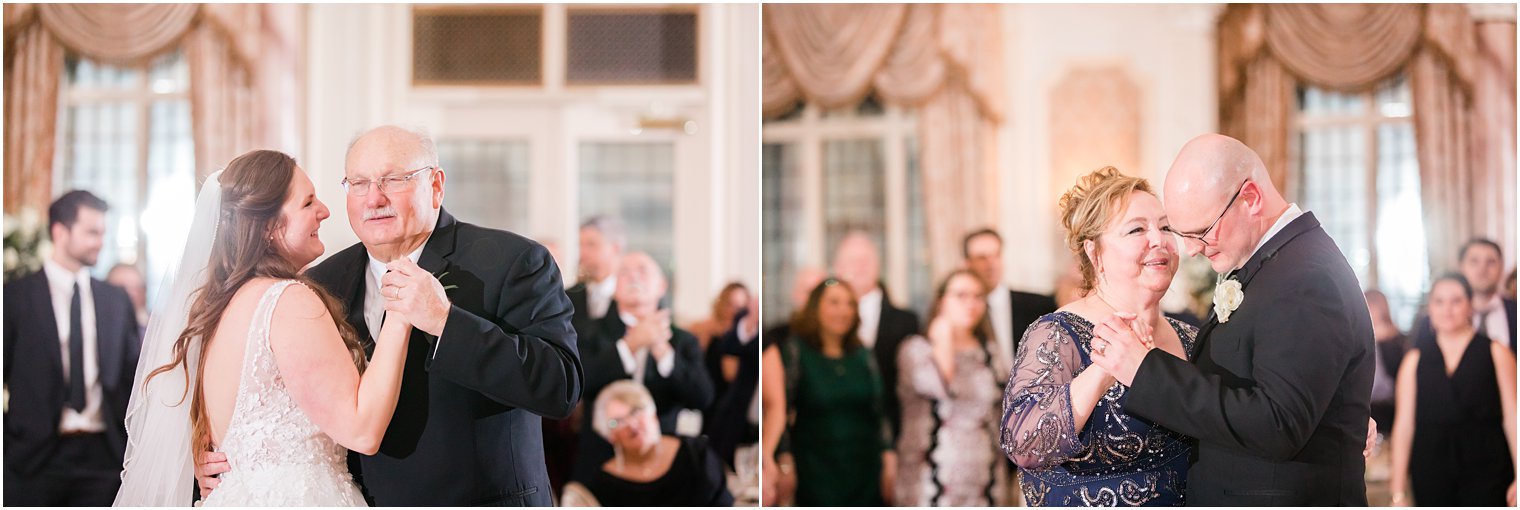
{"points": [[76, 352]]}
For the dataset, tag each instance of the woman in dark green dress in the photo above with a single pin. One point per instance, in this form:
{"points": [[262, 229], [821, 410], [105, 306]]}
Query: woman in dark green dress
{"points": [[837, 428]]}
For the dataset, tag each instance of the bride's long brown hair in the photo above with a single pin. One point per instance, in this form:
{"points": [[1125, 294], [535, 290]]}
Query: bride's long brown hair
{"points": [[254, 188]]}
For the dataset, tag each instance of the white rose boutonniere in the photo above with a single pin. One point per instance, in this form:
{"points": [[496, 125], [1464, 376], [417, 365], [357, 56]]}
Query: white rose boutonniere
{"points": [[1227, 297]]}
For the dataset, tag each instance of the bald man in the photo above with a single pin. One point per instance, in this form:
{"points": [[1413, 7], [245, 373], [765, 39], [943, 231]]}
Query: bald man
{"points": [[1279, 393], [493, 348]]}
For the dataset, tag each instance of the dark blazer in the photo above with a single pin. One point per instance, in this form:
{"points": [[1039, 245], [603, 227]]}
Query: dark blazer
{"points": [[1279, 396], [34, 368], [1026, 308], [688, 386], [895, 325], [582, 319], [467, 428]]}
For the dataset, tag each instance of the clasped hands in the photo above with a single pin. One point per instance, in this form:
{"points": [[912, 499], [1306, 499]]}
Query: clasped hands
{"points": [[415, 294], [652, 331], [1119, 344]]}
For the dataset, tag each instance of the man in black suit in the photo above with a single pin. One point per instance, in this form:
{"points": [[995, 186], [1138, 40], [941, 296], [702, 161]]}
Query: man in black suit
{"points": [[1279, 397], [71, 348], [638, 342], [492, 347], [602, 241], [1010, 311], [883, 326]]}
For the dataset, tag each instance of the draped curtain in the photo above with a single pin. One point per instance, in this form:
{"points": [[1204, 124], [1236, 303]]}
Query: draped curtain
{"points": [[944, 60], [221, 44], [1464, 98]]}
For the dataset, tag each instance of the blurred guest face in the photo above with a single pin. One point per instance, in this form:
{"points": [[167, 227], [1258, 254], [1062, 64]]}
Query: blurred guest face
{"points": [[856, 263], [128, 278], [964, 302], [1481, 267], [736, 300], [599, 257], [384, 219], [836, 311], [640, 283], [300, 218], [1450, 309], [984, 256], [635, 429], [1377, 307], [80, 243], [1136, 251]]}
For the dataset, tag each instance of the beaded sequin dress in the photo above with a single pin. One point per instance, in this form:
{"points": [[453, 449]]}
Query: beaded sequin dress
{"points": [[1118, 459], [278, 456]]}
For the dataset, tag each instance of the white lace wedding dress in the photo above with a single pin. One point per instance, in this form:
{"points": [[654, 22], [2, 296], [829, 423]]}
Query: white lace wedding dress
{"points": [[278, 456]]}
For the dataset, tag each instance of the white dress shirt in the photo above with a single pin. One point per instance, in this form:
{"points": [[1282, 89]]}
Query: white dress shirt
{"points": [[374, 302], [870, 317], [599, 296], [61, 289], [634, 362], [1490, 319], [1000, 310]]}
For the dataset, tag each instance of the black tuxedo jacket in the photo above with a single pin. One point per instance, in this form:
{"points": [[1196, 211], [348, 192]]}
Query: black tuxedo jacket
{"points": [[1279, 396], [895, 325], [582, 319], [688, 386], [34, 368], [467, 428], [1025, 309]]}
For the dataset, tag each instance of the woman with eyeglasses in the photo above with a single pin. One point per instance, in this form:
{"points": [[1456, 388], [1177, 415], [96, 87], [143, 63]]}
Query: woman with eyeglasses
{"points": [[839, 433], [950, 387], [647, 469], [1064, 422]]}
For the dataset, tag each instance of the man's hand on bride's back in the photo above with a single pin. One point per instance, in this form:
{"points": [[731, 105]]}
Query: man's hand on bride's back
{"points": [[207, 468]]}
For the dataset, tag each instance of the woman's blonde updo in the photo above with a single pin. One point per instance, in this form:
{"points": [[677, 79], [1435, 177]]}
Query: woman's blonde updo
{"points": [[1087, 208]]}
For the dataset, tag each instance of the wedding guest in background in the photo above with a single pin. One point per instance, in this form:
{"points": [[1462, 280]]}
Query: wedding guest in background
{"points": [[1481, 263], [1391, 346], [602, 243], [839, 434], [950, 385], [71, 349], [648, 468], [883, 326], [1454, 432], [1009, 311], [639, 343], [733, 298], [778, 479], [130, 279], [734, 420]]}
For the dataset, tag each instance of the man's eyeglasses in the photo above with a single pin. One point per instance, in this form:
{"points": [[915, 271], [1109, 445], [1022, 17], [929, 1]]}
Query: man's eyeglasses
{"points": [[388, 184], [1199, 236]]}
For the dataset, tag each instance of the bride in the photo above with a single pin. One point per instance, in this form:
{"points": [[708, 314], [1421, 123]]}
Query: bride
{"points": [[250, 359]]}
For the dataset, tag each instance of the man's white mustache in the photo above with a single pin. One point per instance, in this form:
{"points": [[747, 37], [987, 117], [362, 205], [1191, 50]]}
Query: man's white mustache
{"points": [[370, 214]]}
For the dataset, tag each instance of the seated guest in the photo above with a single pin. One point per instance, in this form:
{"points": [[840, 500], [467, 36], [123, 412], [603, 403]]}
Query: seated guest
{"points": [[639, 343], [1454, 428], [1391, 345], [650, 469]]}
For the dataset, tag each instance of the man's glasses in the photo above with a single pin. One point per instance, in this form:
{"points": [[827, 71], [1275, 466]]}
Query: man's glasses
{"points": [[1199, 236], [388, 184]]}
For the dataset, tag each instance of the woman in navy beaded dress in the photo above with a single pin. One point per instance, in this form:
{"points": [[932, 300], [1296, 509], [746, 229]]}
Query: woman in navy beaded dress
{"points": [[1063, 417]]}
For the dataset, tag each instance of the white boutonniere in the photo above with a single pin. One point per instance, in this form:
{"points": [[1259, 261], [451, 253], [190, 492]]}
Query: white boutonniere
{"points": [[1227, 297]]}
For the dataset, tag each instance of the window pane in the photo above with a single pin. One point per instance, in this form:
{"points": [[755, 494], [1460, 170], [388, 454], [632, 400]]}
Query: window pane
{"points": [[854, 192], [1403, 264], [478, 46], [1335, 188], [782, 250], [632, 47], [487, 181], [635, 182], [171, 190], [920, 279]]}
